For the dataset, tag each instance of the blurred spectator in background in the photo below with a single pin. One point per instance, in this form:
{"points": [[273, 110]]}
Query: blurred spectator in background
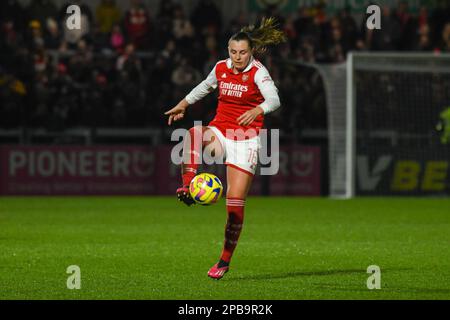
{"points": [[388, 37], [80, 64], [439, 17], [182, 29], [316, 33], [211, 48], [129, 86], [168, 53], [137, 24], [272, 10], [184, 76], [206, 14], [303, 23], [12, 10], [11, 39], [236, 24], [117, 39], [99, 40], [421, 32], [166, 9], [129, 62], [12, 93], [319, 12], [422, 18], [422, 42], [52, 37], [41, 60], [107, 15], [402, 14], [36, 40], [164, 23], [408, 26], [445, 43], [349, 29], [306, 51], [336, 50], [290, 31], [41, 10]]}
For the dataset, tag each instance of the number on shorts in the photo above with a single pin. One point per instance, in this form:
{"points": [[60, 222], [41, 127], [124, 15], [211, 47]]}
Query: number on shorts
{"points": [[252, 156]]}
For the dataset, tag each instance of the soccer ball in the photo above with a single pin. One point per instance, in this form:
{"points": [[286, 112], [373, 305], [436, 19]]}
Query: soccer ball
{"points": [[205, 189]]}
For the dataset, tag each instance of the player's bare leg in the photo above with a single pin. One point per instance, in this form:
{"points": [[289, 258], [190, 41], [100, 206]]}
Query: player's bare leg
{"points": [[193, 146], [238, 185]]}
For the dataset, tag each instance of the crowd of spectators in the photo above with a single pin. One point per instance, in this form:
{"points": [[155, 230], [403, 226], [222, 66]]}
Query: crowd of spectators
{"points": [[124, 68]]}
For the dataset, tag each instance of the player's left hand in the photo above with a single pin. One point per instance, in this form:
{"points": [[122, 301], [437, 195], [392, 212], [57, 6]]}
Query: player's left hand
{"points": [[248, 117]]}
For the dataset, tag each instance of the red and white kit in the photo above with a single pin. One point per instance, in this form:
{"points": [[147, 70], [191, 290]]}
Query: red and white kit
{"points": [[238, 93]]}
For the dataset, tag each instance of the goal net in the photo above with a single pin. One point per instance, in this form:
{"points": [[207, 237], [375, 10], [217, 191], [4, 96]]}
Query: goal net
{"points": [[388, 124]]}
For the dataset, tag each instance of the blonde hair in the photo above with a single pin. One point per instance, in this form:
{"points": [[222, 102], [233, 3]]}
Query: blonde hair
{"points": [[259, 38]]}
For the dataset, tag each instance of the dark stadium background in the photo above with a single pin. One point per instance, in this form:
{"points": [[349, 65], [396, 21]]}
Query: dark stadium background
{"points": [[109, 84]]}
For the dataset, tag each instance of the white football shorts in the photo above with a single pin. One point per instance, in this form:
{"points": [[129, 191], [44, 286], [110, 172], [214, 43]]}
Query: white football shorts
{"points": [[240, 154]]}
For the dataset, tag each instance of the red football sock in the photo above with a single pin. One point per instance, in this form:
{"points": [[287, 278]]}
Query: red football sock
{"points": [[235, 209], [192, 149]]}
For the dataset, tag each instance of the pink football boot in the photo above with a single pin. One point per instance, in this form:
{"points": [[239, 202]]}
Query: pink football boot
{"points": [[217, 273]]}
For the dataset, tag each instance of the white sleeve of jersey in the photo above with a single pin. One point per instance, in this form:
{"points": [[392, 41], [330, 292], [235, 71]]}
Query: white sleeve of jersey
{"points": [[203, 89], [268, 90]]}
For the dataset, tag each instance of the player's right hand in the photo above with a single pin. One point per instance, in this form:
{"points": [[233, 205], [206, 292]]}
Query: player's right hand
{"points": [[175, 114]]}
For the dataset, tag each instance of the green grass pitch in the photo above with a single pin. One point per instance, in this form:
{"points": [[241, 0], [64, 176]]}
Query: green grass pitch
{"points": [[290, 248]]}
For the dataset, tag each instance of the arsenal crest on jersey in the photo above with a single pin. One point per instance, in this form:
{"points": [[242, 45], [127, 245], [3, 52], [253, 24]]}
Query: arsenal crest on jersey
{"points": [[245, 77]]}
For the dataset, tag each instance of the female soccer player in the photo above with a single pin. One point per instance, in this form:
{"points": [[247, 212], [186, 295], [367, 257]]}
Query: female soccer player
{"points": [[246, 94]]}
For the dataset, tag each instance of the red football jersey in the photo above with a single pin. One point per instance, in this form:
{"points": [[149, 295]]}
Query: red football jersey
{"points": [[238, 93]]}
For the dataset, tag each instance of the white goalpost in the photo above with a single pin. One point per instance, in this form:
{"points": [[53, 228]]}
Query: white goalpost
{"points": [[382, 113], [388, 143]]}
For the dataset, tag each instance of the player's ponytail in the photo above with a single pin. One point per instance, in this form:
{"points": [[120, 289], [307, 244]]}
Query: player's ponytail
{"points": [[261, 37]]}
